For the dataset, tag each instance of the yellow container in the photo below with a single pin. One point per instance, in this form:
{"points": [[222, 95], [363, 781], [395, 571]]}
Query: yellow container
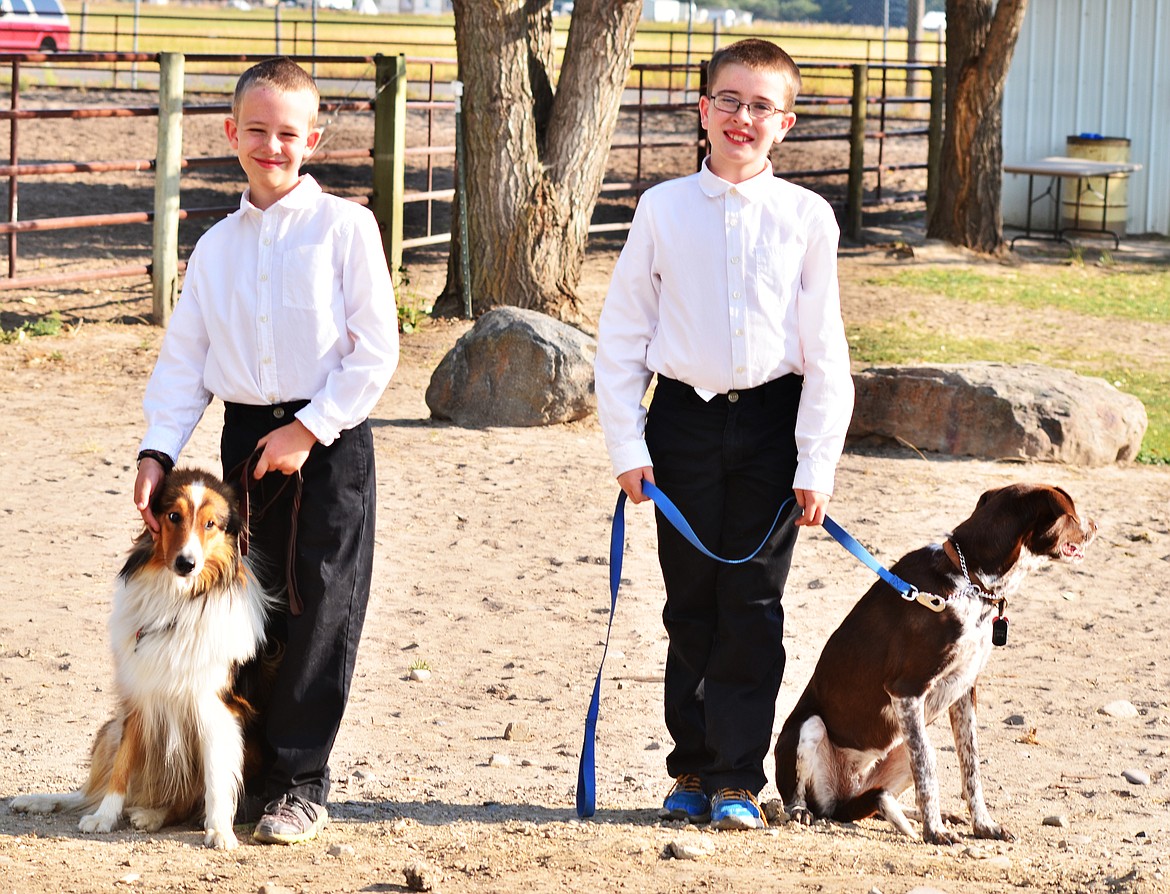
{"points": [[1098, 210]]}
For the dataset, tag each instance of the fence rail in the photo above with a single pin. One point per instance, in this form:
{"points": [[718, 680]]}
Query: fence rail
{"points": [[656, 117]]}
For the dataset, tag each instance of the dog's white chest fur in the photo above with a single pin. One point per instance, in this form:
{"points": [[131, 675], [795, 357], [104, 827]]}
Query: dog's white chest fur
{"points": [[170, 645]]}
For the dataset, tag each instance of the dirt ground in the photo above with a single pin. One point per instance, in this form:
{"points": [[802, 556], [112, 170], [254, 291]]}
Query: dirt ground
{"points": [[491, 571]]}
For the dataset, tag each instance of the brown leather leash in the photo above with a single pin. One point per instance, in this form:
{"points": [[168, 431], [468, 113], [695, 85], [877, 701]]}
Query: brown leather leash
{"points": [[244, 471]]}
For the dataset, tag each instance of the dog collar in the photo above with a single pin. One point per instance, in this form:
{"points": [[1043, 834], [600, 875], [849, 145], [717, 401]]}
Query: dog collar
{"points": [[974, 583], [999, 624]]}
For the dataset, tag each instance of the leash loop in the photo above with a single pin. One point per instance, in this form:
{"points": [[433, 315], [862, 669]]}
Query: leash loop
{"points": [[244, 471]]}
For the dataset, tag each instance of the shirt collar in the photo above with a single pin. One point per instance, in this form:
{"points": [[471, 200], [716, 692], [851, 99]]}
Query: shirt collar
{"points": [[303, 195], [752, 189]]}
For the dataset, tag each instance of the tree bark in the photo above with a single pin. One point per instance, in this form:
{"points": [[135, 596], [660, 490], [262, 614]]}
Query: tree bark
{"points": [[980, 44], [535, 159]]}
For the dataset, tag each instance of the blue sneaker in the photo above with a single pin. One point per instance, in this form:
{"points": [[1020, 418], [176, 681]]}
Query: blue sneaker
{"points": [[736, 808], [686, 801]]}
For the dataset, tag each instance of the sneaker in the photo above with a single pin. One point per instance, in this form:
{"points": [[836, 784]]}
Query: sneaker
{"points": [[290, 820], [736, 808], [686, 801]]}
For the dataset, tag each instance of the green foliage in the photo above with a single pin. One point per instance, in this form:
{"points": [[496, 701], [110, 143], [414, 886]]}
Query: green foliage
{"points": [[51, 324], [1098, 294], [412, 309]]}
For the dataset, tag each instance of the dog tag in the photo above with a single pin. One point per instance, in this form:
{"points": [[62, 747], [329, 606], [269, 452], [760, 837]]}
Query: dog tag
{"points": [[999, 632]]}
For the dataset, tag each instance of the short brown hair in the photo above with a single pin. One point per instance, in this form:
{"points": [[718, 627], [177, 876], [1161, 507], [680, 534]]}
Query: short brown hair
{"points": [[280, 74], [758, 55]]}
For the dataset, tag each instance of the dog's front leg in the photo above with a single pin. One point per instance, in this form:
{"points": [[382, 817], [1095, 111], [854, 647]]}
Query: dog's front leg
{"points": [[912, 722], [127, 756], [223, 761], [967, 746]]}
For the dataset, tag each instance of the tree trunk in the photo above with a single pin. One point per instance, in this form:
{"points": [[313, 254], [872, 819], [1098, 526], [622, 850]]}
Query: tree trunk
{"points": [[534, 160], [980, 45]]}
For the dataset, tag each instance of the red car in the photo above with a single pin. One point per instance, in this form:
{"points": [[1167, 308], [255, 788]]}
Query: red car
{"points": [[33, 25]]}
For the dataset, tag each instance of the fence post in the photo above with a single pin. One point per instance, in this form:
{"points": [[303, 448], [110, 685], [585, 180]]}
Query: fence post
{"points": [[389, 159], [934, 138], [164, 270], [856, 191]]}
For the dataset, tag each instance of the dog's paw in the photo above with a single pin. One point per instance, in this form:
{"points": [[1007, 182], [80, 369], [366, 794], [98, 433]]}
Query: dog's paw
{"points": [[939, 836], [97, 823], [220, 839], [146, 819], [994, 831], [33, 804], [801, 816]]}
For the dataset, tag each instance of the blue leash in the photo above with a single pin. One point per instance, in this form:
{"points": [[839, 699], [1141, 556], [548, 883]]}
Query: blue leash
{"points": [[586, 770]]}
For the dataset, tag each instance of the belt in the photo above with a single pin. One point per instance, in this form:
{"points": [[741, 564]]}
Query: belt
{"points": [[759, 394], [286, 410]]}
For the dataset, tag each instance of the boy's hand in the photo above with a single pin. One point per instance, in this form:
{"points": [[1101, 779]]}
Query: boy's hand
{"points": [[631, 482], [150, 476], [284, 450], [814, 504]]}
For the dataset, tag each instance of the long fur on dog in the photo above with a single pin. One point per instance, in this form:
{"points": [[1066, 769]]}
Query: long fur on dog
{"points": [[187, 613]]}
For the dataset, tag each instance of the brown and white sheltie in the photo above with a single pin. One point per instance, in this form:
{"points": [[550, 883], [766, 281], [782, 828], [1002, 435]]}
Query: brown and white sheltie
{"points": [[187, 613]]}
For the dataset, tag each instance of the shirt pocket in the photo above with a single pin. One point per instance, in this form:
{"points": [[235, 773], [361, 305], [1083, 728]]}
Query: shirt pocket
{"points": [[308, 277], [778, 269]]}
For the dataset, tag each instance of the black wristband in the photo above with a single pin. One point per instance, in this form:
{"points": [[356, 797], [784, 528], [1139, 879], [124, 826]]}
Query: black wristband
{"points": [[159, 457]]}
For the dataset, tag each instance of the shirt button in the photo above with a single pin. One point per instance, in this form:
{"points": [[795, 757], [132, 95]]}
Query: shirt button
{"points": [[739, 370], [266, 361], [263, 277], [272, 398], [267, 241], [739, 333], [263, 318], [735, 260], [735, 294]]}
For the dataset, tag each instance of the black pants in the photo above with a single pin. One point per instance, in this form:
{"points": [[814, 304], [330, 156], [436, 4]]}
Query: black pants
{"points": [[332, 567], [728, 464]]}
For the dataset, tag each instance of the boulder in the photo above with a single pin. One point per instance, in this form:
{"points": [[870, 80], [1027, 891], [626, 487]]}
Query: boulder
{"points": [[1000, 411], [515, 367]]}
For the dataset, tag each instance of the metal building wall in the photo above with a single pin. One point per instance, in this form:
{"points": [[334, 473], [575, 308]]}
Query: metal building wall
{"points": [[1092, 66]]}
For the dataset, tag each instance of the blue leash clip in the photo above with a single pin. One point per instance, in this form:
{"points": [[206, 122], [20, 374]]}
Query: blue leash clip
{"points": [[586, 769]]}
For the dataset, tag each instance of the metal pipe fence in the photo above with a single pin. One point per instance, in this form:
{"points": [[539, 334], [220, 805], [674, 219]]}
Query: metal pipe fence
{"points": [[657, 123]]}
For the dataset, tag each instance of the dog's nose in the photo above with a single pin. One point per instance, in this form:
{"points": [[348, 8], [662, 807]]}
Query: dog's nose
{"points": [[184, 565]]}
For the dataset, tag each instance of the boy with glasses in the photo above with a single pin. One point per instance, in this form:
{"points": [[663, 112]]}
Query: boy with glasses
{"points": [[727, 290]]}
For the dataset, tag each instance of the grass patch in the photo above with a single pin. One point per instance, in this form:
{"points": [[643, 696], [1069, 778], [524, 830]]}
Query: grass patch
{"points": [[1134, 294]]}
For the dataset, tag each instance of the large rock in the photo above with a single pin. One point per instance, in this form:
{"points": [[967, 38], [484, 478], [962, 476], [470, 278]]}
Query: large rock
{"points": [[515, 367], [1000, 411]]}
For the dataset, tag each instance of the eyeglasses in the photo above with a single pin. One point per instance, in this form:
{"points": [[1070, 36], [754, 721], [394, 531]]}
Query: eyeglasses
{"points": [[729, 105]]}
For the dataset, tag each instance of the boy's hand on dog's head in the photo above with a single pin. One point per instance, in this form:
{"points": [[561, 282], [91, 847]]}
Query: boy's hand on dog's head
{"points": [[146, 485], [813, 503], [284, 450]]}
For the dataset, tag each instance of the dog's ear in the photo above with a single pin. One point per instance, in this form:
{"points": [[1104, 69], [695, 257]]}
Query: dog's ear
{"points": [[987, 495], [1054, 515]]}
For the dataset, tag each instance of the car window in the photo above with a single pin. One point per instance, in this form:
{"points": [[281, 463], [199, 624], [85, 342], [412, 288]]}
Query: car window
{"points": [[19, 7], [46, 7]]}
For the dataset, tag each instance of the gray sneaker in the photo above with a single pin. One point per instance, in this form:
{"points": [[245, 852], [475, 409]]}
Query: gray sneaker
{"points": [[290, 820]]}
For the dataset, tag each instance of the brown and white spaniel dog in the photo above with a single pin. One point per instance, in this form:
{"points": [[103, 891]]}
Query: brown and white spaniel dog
{"points": [[857, 738]]}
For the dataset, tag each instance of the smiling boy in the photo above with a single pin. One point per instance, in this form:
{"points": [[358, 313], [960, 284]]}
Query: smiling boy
{"points": [[287, 315], [727, 291]]}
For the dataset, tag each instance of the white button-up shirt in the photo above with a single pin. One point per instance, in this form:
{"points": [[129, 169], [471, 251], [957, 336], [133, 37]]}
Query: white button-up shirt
{"points": [[726, 287], [294, 302]]}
